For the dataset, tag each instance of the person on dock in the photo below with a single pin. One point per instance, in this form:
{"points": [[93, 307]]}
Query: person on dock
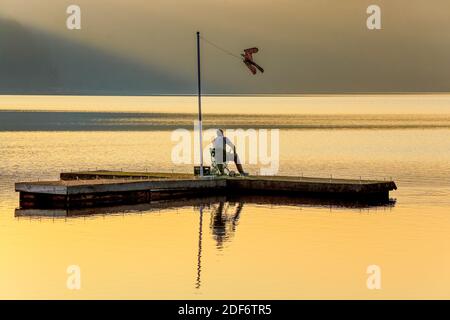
{"points": [[222, 156]]}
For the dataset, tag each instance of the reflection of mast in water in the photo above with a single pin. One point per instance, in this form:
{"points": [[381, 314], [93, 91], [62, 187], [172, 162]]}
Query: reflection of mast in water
{"points": [[237, 215], [199, 255]]}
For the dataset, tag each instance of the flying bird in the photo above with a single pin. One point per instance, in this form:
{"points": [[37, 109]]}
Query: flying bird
{"points": [[248, 60]]}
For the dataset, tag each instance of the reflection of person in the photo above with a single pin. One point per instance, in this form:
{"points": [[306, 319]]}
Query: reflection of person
{"points": [[221, 155], [223, 225]]}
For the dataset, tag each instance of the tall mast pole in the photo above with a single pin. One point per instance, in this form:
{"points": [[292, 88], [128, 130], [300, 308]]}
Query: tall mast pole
{"points": [[200, 104]]}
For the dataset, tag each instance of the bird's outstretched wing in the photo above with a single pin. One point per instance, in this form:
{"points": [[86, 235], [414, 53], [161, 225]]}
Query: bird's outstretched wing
{"points": [[248, 53], [257, 66], [251, 50], [250, 66]]}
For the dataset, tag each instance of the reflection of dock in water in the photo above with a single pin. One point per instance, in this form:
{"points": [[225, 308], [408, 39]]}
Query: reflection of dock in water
{"points": [[208, 201]]}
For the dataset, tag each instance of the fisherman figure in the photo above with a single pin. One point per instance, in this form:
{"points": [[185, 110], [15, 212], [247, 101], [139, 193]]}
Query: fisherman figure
{"points": [[222, 156]]}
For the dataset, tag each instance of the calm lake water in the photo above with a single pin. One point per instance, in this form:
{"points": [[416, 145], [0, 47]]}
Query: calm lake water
{"points": [[234, 249]]}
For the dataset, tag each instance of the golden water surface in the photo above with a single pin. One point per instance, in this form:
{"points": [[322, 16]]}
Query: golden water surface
{"points": [[233, 249]]}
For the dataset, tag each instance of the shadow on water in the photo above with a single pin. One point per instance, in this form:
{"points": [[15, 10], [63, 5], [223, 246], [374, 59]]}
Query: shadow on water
{"points": [[225, 212]]}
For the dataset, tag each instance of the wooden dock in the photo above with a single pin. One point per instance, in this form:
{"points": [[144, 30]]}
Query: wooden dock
{"points": [[108, 188]]}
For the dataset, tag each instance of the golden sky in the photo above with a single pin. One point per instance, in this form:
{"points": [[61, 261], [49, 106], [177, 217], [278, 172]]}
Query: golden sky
{"points": [[148, 47]]}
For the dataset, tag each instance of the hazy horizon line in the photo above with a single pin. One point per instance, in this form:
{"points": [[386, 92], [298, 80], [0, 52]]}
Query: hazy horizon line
{"points": [[412, 93]]}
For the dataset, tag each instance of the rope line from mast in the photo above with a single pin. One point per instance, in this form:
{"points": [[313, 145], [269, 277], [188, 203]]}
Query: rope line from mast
{"points": [[220, 48]]}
